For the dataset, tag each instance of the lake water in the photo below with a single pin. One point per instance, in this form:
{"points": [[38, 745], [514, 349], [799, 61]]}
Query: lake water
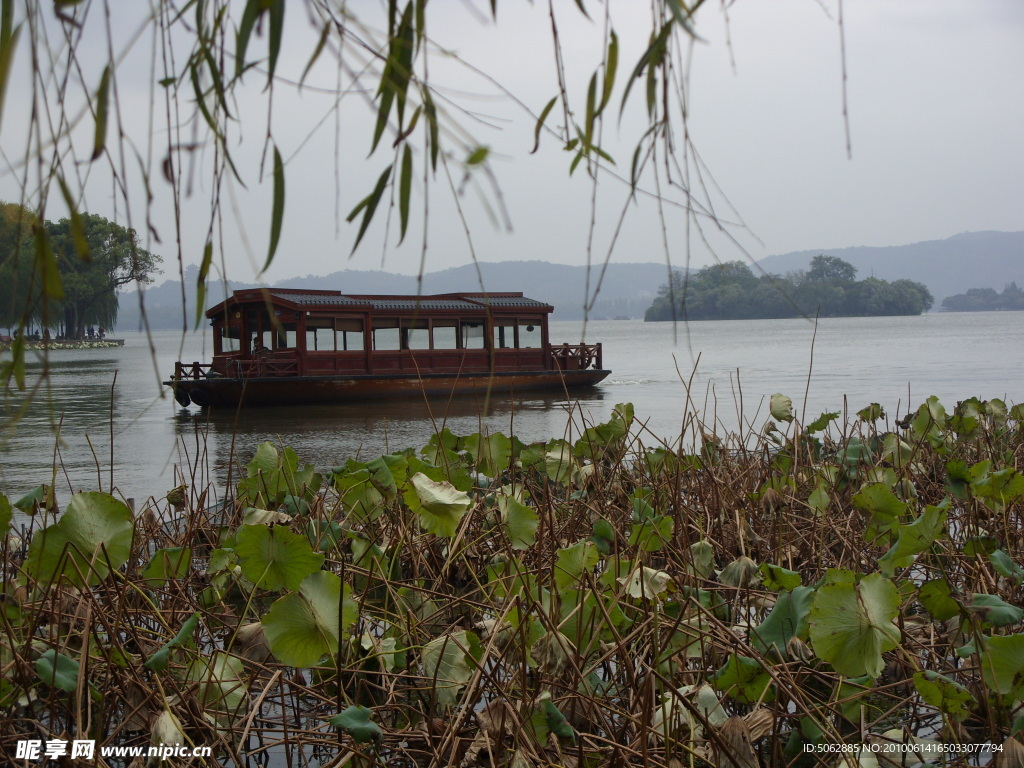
{"points": [[121, 434]]}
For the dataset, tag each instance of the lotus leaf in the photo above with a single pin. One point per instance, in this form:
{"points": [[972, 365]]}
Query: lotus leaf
{"points": [[948, 696], [492, 453], [356, 722], [647, 583], [776, 578], [781, 407], [744, 679], [169, 563], [158, 661], [936, 597], [446, 664], [573, 561], [439, 504], [787, 619], [275, 558], [913, 539], [222, 689], [995, 611], [520, 520], [653, 533], [1003, 564], [851, 625], [302, 627], [96, 534]]}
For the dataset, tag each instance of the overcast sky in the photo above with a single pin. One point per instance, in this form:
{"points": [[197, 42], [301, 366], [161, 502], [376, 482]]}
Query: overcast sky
{"points": [[936, 114]]}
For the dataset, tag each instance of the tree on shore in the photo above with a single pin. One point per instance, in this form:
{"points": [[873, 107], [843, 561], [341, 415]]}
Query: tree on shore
{"points": [[986, 300], [64, 276], [731, 291]]}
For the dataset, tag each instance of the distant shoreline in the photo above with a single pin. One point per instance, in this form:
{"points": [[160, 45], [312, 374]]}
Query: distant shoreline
{"points": [[52, 344]]}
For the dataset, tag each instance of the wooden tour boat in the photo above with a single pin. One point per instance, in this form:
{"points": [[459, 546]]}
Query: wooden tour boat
{"points": [[286, 346]]}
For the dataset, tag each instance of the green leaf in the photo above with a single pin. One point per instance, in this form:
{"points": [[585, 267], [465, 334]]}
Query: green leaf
{"points": [[404, 191], [556, 722], [368, 206], [821, 422], [439, 504], [157, 662], [477, 156], [776, 577], [275, 558], [914, 539], [603, 536], [653, 533], [102, 113], [1002, 562], [787, 619], [201, 282], [540, 123], [743, 679], [520, 520], [6, 515], [885, 508], [781, 407], [277, 214], [92, 537], [167, 564], [851, 625], [995, 611], [302, 627], [446, 665], [492, 453], [571, 562], [58, 671], [222, 689], [948, 696], [1002, 665], [356, 722], [872, 412], [937, 598], [703, 554], [647, 583], [8, 44]]}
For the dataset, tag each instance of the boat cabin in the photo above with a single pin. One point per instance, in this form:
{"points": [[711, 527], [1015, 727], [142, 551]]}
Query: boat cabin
{"points": [[279, 332]]}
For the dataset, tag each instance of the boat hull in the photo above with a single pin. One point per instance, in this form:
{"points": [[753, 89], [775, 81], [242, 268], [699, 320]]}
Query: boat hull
{"points": [[301, 390]]}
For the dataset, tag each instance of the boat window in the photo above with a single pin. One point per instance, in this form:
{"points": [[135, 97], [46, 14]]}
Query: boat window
{"points": [[230, 339], [529, 334], [320, 334], [504, 334], [415, 334], [286, 336], [385, 334], [350, 335], [446, 334], [472, 335]]}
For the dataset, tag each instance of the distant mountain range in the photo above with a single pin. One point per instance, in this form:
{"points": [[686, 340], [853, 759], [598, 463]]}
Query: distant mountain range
{"points": [[947, 267], [626, 290]]}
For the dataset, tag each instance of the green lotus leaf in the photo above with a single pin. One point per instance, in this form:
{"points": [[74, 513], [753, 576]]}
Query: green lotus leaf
{"points": [[603, 536], [703, 559], [741, 573], [913, 539], [361, 499], [302, 627], [787, 619], [446, 664], [872, 412], [743, 679], [222, 687], [520, 520], [937, 598], [158, 660], [776, 578], [851, 625], [653, 534], [995, 611], [1002, 562], [647, 583], [275, 558], [559, 462], [1002, 665], [885, 508], [556, 722], [781, 407], [356, 722], [572, 562], [492, 453], [57, 670], [167, 564], [948, 696], [439, 504], [96, 533]]}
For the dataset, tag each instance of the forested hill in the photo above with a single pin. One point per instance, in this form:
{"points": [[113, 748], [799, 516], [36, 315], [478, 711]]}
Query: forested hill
{"points": [[947, 267], [626, 291]]}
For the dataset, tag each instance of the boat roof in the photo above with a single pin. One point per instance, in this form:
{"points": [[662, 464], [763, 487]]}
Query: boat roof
{"points": [[304, 299]]}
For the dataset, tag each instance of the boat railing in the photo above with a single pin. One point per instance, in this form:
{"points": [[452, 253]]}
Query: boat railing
{"points": [[194, 370], [576, 357]]}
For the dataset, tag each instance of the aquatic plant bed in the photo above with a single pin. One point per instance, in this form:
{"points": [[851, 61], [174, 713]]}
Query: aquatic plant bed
{"points": [[798, 595]]}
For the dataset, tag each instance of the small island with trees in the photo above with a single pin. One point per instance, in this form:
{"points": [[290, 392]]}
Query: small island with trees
{"points": [[59, 280], [829, 288], [986, 300]]}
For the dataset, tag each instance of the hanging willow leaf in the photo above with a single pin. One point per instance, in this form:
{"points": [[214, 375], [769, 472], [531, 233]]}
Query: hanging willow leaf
{"points": [[404, 191], [278, 210], [253, 9], [368, 205], [77, 225], [276, 32], [204, 270], [540, 123], [8, 44], [102, 107]]}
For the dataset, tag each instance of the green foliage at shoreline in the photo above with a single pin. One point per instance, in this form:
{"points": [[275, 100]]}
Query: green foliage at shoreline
{"points": [[479, 601], [731, 291], [986, 300]]}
